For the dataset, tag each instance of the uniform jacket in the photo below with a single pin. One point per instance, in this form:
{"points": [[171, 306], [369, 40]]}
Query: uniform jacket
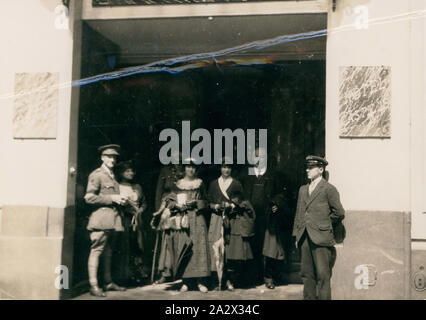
{"points": [[318, 213], [100, 187]]}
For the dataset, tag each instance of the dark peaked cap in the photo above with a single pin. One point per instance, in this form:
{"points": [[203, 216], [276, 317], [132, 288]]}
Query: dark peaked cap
{"points": [[110, 149], [315, 161]]}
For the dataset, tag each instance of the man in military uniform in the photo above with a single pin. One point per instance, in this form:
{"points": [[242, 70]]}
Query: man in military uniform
{"points": [[318, 209], [103, 194]]}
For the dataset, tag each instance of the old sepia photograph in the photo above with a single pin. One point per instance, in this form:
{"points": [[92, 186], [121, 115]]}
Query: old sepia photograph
{"points": [[187, 151]]}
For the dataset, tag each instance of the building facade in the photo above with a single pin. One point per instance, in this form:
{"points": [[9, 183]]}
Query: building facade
{"points": [[375, 59]]}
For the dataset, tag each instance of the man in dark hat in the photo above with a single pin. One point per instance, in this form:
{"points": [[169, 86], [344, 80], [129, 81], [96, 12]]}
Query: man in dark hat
{"points": [[318, 209], [103, 194]]}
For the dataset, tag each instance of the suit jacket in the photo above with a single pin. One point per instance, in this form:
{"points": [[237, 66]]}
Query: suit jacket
{"points": [[317, 213], [105, 215]]}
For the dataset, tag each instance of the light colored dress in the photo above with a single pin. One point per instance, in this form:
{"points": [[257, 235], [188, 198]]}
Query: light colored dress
{"points": [[129, 191], [195, 261]]}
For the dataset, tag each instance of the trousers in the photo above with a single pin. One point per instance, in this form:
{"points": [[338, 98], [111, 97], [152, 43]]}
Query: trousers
{"points": [[272, 270], [101, 244], [316, 269]]}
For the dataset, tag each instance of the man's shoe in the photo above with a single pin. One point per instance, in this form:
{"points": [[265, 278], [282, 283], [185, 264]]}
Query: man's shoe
{"points": [[184, 288], [114, 287], [270, 285], [97, 292]]}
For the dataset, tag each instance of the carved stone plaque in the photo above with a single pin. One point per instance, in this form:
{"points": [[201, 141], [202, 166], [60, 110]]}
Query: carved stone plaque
{"points": [[35, 105], [365, 101]]}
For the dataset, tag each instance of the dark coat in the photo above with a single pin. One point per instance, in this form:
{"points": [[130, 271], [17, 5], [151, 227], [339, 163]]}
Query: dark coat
{"points": [[215, 196], [105, 215], [317, 213], [277, 228], [241, 220], [241, 229], [259, 191]]}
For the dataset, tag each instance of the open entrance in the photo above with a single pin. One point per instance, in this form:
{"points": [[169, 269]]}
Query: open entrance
{"points": [[280, 88]]}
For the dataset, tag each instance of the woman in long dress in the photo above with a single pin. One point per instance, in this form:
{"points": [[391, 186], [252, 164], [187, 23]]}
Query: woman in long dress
{"points": [[219, 199], [190, 243], [131, 244], [167, 179]]}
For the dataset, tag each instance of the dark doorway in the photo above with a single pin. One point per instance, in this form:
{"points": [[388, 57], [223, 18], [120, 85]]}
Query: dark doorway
{"points": [[285, 96]]}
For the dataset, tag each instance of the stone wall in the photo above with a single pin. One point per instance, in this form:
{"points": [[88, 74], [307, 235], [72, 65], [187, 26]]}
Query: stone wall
{"points": [[34, 242]]}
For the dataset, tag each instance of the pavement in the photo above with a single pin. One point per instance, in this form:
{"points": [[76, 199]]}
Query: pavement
{"points": [[170, 291]]}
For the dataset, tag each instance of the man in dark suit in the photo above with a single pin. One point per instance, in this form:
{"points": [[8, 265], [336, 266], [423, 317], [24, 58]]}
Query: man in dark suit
{"points": [[259, 188], [318, 209]]}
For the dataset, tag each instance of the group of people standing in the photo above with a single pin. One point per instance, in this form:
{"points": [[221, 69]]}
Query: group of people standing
{"points": [[235, 233]]}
